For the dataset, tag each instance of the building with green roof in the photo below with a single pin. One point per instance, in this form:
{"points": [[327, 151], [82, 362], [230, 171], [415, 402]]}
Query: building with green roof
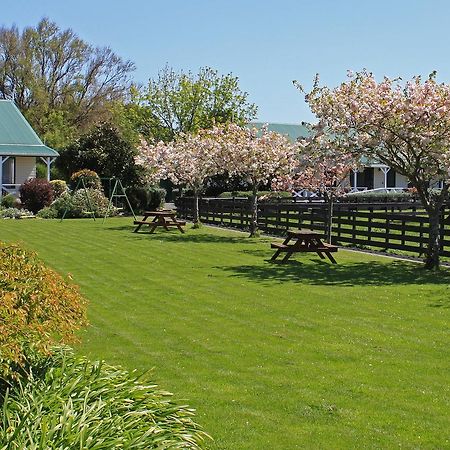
{"points": [[20, 148], [292, 131], [373, 174]]}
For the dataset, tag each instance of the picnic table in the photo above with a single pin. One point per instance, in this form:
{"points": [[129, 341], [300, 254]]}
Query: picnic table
{"points": [[165, 218], [303, 241]]}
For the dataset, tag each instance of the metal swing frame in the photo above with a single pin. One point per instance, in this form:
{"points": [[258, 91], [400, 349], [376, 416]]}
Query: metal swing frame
{"points": [[114, 194]]}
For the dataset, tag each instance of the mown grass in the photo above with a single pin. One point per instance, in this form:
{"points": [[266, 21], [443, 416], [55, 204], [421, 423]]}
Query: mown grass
{"points": [[303, 355]]}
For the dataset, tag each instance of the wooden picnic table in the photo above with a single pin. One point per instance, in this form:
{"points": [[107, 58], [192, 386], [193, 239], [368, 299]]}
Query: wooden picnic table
{"points": [[165, 218], [304, 241]]}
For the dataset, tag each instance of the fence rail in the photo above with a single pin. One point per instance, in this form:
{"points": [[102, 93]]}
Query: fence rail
{"points": [[384, 226]]}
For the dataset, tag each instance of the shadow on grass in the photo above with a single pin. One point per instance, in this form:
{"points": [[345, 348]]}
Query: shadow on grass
{"points": [[349, 274], [190, 235]]}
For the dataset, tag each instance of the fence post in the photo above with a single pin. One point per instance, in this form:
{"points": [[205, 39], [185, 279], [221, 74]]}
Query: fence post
{"points": [[337, 221], [369, 226], [441, 230], [386, 239]]}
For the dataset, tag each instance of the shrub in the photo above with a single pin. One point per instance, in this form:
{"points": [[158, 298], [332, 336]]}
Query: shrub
{"points": [[382, 197], [59, 187], [41, 170], [90, 200], [38, 308], [9, 201], [81, 204], [261, 194], [14, 213], [90, 178], [144, 198], [61, 204], [47, 213], [81, 404], [35, 194]]}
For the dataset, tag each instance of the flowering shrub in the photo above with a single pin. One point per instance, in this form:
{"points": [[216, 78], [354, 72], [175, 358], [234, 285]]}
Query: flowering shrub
{"points": [[14, 213], [59, 187], [38, 308], [90, 178], [82, 203], [35, 194], [90, 200]]}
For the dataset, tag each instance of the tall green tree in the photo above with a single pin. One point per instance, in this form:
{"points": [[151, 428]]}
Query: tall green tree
{"points": [[106, 151], [61, 83], [179, 102]]}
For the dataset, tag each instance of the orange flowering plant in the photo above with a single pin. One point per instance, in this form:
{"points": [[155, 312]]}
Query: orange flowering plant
{"points": [[38, 309]]}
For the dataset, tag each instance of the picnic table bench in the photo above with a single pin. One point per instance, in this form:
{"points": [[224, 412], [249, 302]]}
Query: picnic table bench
{"points": [[302, 241], [164, 218]]}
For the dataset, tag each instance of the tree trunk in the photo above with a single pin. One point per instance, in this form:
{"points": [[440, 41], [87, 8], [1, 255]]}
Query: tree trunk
{"points": [[433, 203], [254, 218], [329, 224], [432, 258], [196, 211]]}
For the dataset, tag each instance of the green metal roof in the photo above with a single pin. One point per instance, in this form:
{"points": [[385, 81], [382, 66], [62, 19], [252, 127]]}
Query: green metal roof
{"points": [[17, 138], [291, 130], [301, 131]]}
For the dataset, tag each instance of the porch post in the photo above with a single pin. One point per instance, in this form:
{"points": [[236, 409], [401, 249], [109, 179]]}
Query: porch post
{"points": [[48, 161], [355, 179], [385, 172]]}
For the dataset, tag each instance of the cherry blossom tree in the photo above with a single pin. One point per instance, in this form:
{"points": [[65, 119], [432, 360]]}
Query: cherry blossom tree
{"points": [[319, 167], [155, 159], [405, 125], [188, 161], [258, 156], [253, 154]]}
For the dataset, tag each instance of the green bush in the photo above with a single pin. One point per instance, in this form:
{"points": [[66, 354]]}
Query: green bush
{"points": [[9, 201], [81, 204], [41, 170], [261, 194], [90, 178], [145, 198], [61, 204], [38, 308], [59, 187], [90, 200], [47, 213], [81, 404], [383, 197]]}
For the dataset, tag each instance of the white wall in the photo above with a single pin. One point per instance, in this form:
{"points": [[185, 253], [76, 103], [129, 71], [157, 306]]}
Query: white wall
{"points": [[25, 168], [378, 178], [401, 181]]}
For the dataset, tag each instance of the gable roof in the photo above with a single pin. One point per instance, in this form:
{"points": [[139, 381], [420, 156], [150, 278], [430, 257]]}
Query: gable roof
{"points": [[17, 138], [291, 130]]}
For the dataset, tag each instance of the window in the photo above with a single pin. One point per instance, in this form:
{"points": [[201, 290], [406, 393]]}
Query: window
{"points": [[391, 178], [9, 171]]}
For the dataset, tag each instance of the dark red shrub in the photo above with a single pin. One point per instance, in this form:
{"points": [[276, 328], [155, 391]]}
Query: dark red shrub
{"points": [[35, 194]]}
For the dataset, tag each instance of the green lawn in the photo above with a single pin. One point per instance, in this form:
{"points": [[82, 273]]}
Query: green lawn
{"points": [[303, 355]]}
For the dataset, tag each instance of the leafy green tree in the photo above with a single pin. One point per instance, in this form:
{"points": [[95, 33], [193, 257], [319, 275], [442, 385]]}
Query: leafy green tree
{"points": [[105, 151], [62, 84], [178, 102]]}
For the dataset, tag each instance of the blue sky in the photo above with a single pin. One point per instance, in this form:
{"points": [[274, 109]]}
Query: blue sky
{"points": [[267, 44]]}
